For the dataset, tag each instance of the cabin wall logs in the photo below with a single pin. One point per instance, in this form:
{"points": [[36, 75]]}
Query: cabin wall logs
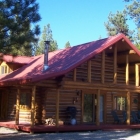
{"points": [[96, 68], [109, 104], [68, 97]]}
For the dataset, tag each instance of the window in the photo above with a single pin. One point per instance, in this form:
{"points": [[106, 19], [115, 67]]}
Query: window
{"points": [[25, 101], [119, 103], [4, 69]]}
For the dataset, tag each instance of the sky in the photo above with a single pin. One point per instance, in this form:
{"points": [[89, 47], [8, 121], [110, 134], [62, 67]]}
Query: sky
{"points": [[77, 21]]}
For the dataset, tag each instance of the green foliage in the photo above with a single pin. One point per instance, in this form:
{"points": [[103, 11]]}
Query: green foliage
{"points": [[67, 45], [117, 23], [16, 18], [46, 35], [133, 11]]}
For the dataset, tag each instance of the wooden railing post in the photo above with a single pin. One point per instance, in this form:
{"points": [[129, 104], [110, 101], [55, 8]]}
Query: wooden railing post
{"points": [[17, 106], [33, 106]]}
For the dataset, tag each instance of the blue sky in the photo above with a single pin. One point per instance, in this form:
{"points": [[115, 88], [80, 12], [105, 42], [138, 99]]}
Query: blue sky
{"points": [[77, 21]]}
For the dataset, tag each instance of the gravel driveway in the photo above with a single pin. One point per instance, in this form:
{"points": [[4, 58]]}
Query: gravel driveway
{"points": [[8, 134]]}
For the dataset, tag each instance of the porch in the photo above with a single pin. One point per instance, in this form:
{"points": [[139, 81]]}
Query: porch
{"points": [[66, 128]]}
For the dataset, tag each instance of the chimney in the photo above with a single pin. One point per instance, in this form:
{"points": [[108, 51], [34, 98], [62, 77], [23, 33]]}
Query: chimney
{"points": [[46, 50]]}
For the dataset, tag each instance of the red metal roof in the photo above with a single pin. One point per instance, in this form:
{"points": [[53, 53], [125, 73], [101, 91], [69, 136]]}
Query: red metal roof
{"points": [[16, 59], [62, 61]]}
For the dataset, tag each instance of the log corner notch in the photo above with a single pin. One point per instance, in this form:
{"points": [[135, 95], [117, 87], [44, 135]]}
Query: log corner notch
{"points": [[33, 106], [17, 106], [136, 74]]}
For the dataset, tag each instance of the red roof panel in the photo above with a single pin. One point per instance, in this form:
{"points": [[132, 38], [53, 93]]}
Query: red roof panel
{"points": [[62, 61]]}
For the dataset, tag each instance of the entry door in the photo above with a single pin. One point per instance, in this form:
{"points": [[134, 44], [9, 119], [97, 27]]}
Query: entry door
{"points": [[90, 106], [101, 108]]}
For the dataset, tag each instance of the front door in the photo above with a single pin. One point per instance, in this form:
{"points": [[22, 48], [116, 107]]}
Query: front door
{"points": [[101, 108], [89, 108]]}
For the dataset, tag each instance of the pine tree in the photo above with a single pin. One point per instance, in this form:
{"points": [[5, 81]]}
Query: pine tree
{"points": [[117, 23], [67, 45], [133, 11], [16, 33], [46, 35]]}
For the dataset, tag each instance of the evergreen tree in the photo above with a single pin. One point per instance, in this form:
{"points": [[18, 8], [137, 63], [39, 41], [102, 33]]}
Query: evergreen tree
{"points": [[46, 35], [67, 45], [133, 11], [16, 18], [118, 24]]}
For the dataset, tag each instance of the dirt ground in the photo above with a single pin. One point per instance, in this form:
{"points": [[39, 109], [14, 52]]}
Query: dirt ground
{"points": [[8, 134]]}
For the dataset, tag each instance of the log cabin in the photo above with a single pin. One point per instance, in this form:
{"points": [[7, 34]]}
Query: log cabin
{"points": [[94, 78]]}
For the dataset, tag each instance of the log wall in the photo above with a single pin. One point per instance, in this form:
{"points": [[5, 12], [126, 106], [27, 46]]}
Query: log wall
{"points": [[68, 97], [96, 67], [109, 105]]}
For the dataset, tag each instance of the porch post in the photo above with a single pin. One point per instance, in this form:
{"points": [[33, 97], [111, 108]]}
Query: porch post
{"points": [[57, 107], [127, 70], [115, 64], [128, 108], [17, 106], [98, 108], [74, 75], [136, 74], [103, 68], [33, 105], [89, 71]]}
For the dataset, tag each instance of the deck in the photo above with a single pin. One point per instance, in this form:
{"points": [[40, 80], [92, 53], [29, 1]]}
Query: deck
{"points": [[66, 128]]}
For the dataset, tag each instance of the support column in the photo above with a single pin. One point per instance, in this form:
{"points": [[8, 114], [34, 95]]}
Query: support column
{"points": [[74, 75], [128, 108], [115, 64], [98, 108], [57, 107], [103, 68], [89, 71], [17, 106], [136, 74], [33, 106], [127, 71]]}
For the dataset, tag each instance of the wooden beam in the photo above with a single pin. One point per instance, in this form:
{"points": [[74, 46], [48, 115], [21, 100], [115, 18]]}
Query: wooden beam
{"points": [[74, 75], [98, 108], [136, 74], [127, 70], [17, 106], [33, 106], [103, 68], [89, 71], [91, 86], [128, 108], [120, 53], [115, 64]]}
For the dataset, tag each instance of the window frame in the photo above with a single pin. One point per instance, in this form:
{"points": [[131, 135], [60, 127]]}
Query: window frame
{"points": [[115, 106]]}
